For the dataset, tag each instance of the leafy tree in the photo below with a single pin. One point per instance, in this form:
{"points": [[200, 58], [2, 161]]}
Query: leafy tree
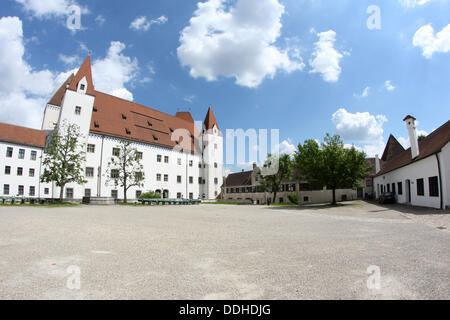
{"points": [[331, 164], [64, 157], [421, 137], [125, 168], [272, 182]]}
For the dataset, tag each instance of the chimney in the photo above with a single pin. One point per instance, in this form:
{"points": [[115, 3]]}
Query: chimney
{"points": [[254, 165], [411, 126], [377, 164]]}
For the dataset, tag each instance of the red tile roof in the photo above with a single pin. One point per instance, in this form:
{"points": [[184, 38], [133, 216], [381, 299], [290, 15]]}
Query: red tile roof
{"points": [[432, 144], [21, 135], [124, 119], [393, 148], [56, 100], [210, 120]]}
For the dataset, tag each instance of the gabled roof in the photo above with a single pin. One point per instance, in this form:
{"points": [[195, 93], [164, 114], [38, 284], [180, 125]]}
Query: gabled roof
{"points": [[21, 135], [239, 179], [84, 71], [56, 100], [432, 144], [393, 148], [210, 120]]}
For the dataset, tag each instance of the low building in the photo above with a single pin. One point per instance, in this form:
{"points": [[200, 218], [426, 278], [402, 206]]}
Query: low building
{"points": [[420, 175]]}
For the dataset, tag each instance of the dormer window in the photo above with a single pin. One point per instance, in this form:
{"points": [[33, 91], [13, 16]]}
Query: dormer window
{"points": [[171, 130], [127, 131], [155, 138], [96, 125], [149, 124], [124, 117], [95, 109]]}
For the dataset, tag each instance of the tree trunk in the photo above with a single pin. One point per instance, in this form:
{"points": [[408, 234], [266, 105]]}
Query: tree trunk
{"points": [[334, 196], [61, 193], [274, 197]]}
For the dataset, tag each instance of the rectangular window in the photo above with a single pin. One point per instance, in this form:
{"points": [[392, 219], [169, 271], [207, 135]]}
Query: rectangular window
{"points": [[82, 86], [87, 193], [199, 165], [31, 172], [19, 171], [32, 191], [20, 190], [178, 179], [191, 163], [114, 194], [158, 177], [7, 170], [166, 159], [433, 183], [191, 196], [200, 180], [114, 174], [6, 189], [78, 110], [420, 187], [179, 161], [216, 181], [138, 176], [9, 152], [46, 191], [91, 148], [191, 180], [21, 153], [158, 158], [69, 193], [139, 155], [393, 187], [116, 152], [179, 195], [138, 194], [89, 172], [369, 183], [166, 178], [388, 188], [400, 188], [215, 165], [33, 155]]}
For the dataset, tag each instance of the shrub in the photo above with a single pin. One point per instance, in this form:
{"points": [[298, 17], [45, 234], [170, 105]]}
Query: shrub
{"points": [[150, 195], [293, 198]]}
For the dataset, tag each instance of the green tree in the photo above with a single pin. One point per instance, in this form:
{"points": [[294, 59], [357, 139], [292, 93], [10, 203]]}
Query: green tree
{"points": [[282, 171], [64, 157], [331, 164], [125, 168]]}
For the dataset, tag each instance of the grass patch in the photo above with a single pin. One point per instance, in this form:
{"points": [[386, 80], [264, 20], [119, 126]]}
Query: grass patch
{"points": [[230, 203], [47, 205]]}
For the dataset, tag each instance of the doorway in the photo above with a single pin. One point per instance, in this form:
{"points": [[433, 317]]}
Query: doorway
{"points": [[408, 191]]}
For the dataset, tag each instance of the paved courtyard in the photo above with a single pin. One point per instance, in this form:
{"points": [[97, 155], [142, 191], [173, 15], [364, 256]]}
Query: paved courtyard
{"points": [[223, 252]]}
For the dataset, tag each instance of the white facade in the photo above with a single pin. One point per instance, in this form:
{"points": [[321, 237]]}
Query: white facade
{"points": [[424, 182], [20, 167]]}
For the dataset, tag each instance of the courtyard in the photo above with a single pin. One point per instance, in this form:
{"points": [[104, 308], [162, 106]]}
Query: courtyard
{"points": [[224, 252]]}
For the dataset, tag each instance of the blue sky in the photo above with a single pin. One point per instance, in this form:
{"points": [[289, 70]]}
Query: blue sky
{"points": [[306, 67]]}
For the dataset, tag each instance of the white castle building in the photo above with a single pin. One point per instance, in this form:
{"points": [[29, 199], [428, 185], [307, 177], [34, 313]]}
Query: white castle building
{"points": [[188, 167]]}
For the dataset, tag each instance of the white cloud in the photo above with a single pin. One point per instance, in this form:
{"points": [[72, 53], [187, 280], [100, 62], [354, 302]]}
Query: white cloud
{"points": [[389, 86], [70, 60], [24, 91], [48, 8], [143, 24], [113, 72], [326, 58], [189, 99], [236, 41], [287, 147], [364, 94], [361, 127], [100, 20], [413, 3], [430, 43]]}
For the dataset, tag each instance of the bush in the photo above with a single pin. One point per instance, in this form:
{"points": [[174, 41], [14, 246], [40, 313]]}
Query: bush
{"points": [[150, 195], [293, 198]]}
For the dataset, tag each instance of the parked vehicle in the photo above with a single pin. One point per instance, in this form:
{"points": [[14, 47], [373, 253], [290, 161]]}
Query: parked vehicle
{"points": [[387, 197]]}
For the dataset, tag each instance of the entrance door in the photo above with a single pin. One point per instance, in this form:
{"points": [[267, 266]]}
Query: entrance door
{"points": [[360, 193], [408, 191], [166, 194]]}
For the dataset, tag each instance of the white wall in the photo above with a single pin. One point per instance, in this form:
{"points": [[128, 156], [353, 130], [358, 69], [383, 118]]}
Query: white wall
{"points": [[212, 155], [421, 169], [13, 180], [444, 157]]}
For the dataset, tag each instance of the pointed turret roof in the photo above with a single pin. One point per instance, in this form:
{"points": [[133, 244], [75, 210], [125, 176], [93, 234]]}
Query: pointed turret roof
{"points": [[84, 71], [393, 148], [210, 120], [56, 100]]}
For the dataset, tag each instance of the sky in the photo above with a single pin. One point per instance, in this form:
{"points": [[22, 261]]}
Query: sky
{"points": [[304, 67]]}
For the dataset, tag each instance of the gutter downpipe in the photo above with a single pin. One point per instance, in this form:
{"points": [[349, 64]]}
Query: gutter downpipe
{"points": [[440, 180]]}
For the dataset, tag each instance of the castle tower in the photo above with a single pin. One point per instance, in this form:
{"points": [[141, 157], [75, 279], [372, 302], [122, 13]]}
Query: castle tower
{"points": [[212, 155]]}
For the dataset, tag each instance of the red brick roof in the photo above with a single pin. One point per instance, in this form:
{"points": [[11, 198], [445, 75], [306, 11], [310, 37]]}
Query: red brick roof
{"points": [[432, 144], [21, 135]]}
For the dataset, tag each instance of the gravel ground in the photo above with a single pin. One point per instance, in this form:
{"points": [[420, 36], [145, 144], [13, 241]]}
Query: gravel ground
{"points": [[223, 252]]}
